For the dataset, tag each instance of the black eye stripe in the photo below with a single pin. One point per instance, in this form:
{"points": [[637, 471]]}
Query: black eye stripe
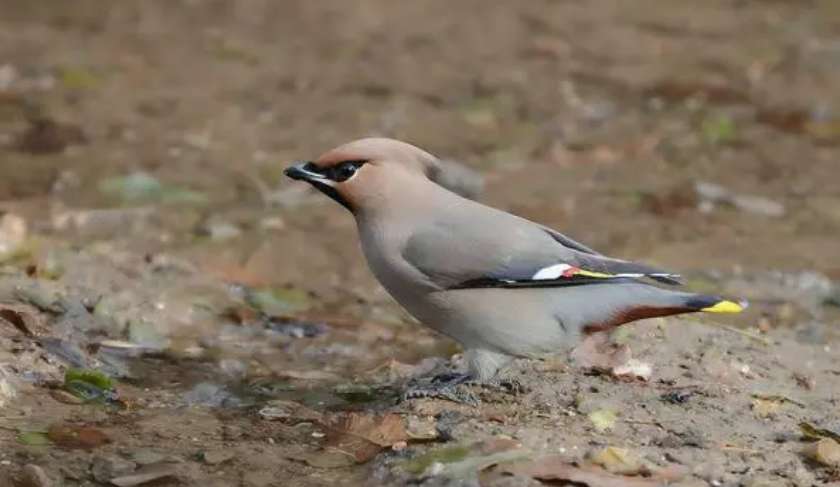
{"points": [[343, 170], [340, 172]]}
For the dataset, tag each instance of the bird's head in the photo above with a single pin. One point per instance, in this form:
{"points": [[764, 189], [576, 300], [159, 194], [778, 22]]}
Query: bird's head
{"points": [[366, 172]]}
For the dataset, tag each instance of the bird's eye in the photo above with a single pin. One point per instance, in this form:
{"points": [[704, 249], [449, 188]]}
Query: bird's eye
{"points": [[346, 170]]}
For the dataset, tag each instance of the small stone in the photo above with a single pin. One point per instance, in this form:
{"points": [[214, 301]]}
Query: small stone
{"points": [[34, 476], [147, 457], [231, 432], [12, 234], [826, 451], [106, 467], [144, 475], [273, 223], [7, 391], [215, 457], [220, 230]]}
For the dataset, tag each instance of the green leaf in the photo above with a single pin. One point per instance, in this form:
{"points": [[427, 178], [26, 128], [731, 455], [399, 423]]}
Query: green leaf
{"points": [[33, 438], [447, 454], [278, 301], [603, 419], [89, 385], [93, 377]]}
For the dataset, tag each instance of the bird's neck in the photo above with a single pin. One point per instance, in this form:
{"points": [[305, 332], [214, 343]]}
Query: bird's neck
{"points": [[394, 205]]}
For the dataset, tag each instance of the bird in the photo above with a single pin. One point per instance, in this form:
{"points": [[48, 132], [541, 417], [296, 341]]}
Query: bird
{"points": [[500, 285]]}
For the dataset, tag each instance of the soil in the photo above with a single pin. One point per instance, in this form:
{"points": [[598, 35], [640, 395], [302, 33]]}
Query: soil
{"points": [[148, 233]]}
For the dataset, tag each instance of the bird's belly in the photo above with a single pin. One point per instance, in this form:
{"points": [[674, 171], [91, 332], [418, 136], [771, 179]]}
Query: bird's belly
{"points": [[516, 322]]}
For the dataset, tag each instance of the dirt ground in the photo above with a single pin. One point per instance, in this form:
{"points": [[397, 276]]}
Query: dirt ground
{"points": [[146, 232]]}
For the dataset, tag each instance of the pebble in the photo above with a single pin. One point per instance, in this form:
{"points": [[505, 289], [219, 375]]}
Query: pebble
{"points": [[215, 457], [34, 476], [106, 467]]}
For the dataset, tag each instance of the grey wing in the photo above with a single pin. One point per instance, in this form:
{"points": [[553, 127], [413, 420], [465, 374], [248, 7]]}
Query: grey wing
{"points": [[568, 242], [516, 255]]}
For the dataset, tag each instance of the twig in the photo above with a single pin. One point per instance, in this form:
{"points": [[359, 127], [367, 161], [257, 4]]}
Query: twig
{"points": [[760, 339]]}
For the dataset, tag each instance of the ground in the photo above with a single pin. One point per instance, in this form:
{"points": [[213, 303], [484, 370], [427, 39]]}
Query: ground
{"points": [[147, 233]]}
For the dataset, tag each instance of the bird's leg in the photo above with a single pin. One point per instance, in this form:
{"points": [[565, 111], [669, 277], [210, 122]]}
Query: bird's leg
{"points": [[444, 386]]}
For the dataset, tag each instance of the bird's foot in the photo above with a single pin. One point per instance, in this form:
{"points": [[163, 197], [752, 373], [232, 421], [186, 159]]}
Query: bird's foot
{"points": [[448, 386], [507, 386]]}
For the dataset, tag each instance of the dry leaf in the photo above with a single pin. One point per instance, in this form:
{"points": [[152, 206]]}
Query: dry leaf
{"points": [[22, 317], [764, 408], [811, 432], [635, 369], [422, 428], [71, 436], [617, 460], [555, 468], [603, 419], [364, 435]]}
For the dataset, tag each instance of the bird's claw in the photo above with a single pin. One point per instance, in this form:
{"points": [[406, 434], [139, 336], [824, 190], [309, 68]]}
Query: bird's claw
{"points": [[444, 386], [509, 386]]}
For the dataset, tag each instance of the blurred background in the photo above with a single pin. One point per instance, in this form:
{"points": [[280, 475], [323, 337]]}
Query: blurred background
{"points": [[142, 147]]}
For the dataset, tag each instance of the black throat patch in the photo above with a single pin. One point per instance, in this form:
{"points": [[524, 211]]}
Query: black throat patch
{"points": [[332, 193]]}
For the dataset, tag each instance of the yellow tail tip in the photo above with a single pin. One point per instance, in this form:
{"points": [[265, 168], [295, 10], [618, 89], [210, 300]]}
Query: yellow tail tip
{"points": [[726, 306]]}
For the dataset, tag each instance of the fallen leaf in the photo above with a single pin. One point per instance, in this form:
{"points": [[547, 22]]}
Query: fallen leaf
{"points": [[33, 438], [278, 301], [464, 461], [422, 428], [70, 436], [634, 369], [556, 468], [617, 460], [92, 377], [364, 435], [22, 317], [603, 419], [811, 432], [90, 385], [778, 398], [764, 408], [826, 451], [443, 455]]}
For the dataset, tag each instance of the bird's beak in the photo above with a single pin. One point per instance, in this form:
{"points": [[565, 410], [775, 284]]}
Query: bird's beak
{"points": [[307, 171], [301, 172]]}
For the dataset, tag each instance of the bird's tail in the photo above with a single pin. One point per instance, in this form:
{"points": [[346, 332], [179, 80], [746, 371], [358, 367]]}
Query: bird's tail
{"points": [[615, 304], [715, 304]]}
